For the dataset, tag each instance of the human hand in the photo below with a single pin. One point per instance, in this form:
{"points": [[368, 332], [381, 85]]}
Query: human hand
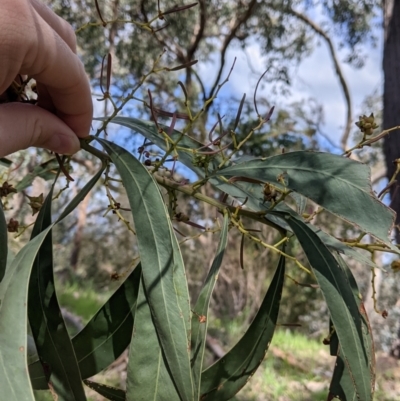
{"points": [[36, 42]]}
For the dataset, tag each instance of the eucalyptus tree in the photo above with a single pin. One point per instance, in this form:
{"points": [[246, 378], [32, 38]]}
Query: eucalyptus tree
{"points": [[286, 32]]}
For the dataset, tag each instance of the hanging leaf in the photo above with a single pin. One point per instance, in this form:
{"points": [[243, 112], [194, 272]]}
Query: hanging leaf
{"points": [[110, 393], [200, 310], [342, 306], [102, 340], [47, 324], [14, 377], [162, 265], [227, 376], [147, 377], [342, 384], [339, 184]]}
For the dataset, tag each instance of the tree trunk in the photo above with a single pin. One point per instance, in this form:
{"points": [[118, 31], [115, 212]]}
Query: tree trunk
{"points": [[391, 96], [391, 109]]}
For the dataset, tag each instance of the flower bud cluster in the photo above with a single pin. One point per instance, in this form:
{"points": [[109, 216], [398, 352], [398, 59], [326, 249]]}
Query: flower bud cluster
{"points": [[367, 124]]}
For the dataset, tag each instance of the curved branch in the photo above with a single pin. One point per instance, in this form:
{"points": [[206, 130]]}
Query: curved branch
{"points": [[228, 39], [202, 25], [338, 70], [195, 43]]}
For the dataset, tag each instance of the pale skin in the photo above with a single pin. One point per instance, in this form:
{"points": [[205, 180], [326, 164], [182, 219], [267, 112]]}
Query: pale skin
{"points": [[35, 42]]}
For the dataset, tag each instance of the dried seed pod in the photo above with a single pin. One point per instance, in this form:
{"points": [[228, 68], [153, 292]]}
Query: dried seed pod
{"points": [[36, 203], [6, 189], [12, 226], [270, 193]]}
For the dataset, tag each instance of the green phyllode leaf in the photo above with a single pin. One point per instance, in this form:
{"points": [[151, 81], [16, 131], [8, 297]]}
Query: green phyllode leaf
{"points": [[162, 266], [222, 380], [323, 177], [342, 384], [110, 393], [14, 377], [201, 308], [342, 306], [148, 377], [105, 336], [109, 332], [52, 340], [3, 243]]}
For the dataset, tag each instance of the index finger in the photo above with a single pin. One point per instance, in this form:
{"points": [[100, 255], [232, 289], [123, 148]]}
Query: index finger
{"points": [[53, 64]]}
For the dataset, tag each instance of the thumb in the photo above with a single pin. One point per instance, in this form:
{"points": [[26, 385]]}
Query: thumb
{"points": [[25, 125]]}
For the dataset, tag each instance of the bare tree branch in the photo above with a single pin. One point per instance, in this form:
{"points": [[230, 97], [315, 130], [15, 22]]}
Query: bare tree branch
{"points": [[317, 29], [201, 27], [196, 41], [228, 39], [143, 11]]}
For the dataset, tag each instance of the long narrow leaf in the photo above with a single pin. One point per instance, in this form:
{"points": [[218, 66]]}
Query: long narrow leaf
{"points": [[109, 332], [3, 243], [14, 378], [323, 177], [162, 265], [103, 339], [342, 306], [148, 377], [200, 310], [342, 384], [227, 376], [110, 393], [52, 340]]}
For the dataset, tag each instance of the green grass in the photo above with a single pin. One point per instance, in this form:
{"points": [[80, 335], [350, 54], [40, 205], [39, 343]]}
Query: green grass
{"points": [[83, 302], [291, 341], [291, 364]]}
